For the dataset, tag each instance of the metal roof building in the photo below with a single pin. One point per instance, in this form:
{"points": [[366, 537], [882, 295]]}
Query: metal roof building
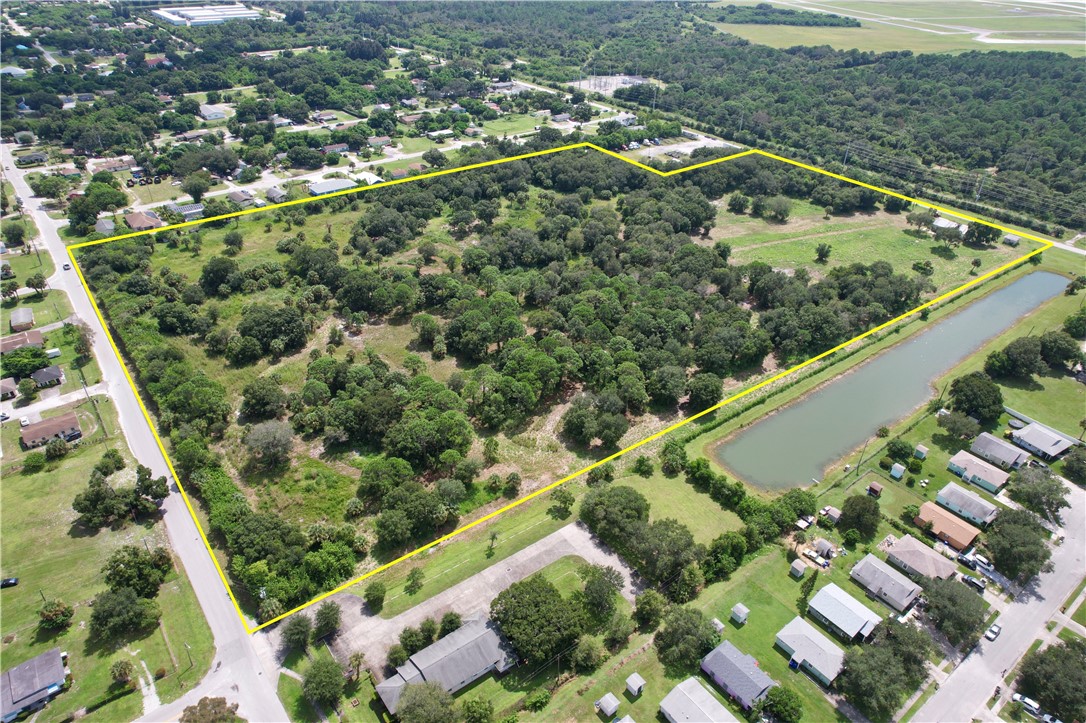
{"points": [[811, 650], [30, 684], [1041, 440], [691, 702], [884, 582], [967, 503], [319, 188], [998, 452], [842, 613], [977, 471], [737, 674], [946, 526], [916, 558]]}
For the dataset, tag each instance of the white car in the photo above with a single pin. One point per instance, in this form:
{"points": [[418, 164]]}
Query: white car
{"points": [[23, 421], [993, 632], [1031, 706]]}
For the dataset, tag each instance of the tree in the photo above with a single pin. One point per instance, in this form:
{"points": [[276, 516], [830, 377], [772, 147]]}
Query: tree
{"points": [[1039, 490], [211, 710], [957, 611], [1017, 544], [323, 681], [1075, 324], [477, 710], [535, 618], [619, 630], [14, 234], [326, 621], [426, 703], [958, 425], [121, 612], [1056, 678], [563, 501], [976, 395], [270, 442], [1058, 348], [414, 581], [588, 654], [685, 638], [860, 513], [55, 615], [121, 671], [899, 449], [356, 663], [705, 390], [601, 586], [877, 677], [1074, 465], [196, 185], [822, 253], [137, 569], [38, 283], [778, 208], [28, 389], [450, 622], [650, 609], [397, 656], [1021, 358], [783, 704], [296, 632], [738, 203], [263, 398]]}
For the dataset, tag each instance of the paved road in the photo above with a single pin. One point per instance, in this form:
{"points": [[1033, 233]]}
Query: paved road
{"points": [[45, 402], [965, 693], [360, 630], [240, 676]]}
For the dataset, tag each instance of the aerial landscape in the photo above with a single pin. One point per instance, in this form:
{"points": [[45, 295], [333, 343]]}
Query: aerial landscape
{"points": [[554, 361]]}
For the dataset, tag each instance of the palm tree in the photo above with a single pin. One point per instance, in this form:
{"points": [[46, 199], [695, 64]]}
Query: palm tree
{"points": [[1082, 426], [356, 662], [799, 538]]}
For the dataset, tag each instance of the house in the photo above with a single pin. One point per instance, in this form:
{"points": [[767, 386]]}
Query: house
{"points": [[280, 122], [740, 613], [824, 548], [439, 135], [409, 103], [85, 97], [379, 141], [897, 471], [65, 427], [1042, 441], [418, 167], [156, 62], [276, 194], [453, 662], [28, 686], [737, 674], [8, 388], [48, 377], [691, 702], [635, 684], [811, 651], [23, 338], [977, 471], [22, 318], [473, 131], [336, 148], [797, 570], [832, 513], [399, 174], [952, 530], [998, 452], [885, 583], [242, 198], [143, 220], [916, 558], [13, 71], [164, 98], [875, 489], [608, 705], [31, 159], [332, 185], [921, 452], [843, 614], [560, 118], [189, 211], [410, 119], [105, 226], [968, 504], [325, 117], [947, 224]]}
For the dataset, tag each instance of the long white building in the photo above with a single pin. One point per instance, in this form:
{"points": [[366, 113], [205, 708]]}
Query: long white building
{"points": [[206, 14]]}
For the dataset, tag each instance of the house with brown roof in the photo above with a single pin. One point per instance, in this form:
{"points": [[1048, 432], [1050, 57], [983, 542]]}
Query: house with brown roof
{"points": [[143, 220], [32, 337], [916, 558], [9, 389], [65, 427], [946, 526]]}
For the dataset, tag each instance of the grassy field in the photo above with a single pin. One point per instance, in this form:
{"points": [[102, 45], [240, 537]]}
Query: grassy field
{"points": [[48, 307], [26, 265], [55, 558], [672, 497], [925, 26], [510, 123], [99, 426]]}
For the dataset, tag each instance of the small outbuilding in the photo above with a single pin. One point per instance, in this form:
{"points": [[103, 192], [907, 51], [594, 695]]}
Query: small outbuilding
{"points": [[875, 489], [740, 613], [897, 471], [608, 705], [635, 684], [717, 625], [921, 452], [797, 570]]}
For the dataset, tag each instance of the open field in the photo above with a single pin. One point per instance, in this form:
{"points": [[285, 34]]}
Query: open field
{"points": [[48, 307], [927, 27], [673, 497], [26, 265], [54, 557], [510, 123]]}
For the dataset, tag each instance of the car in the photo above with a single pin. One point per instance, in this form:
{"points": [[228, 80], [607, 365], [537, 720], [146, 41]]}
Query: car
{"points": [[67, 267], [23, 421], [9, 582], [967, 561], [977, 583], [4, 417], [1031, 706], [1049, 718], [982, 561], [993, 632]]}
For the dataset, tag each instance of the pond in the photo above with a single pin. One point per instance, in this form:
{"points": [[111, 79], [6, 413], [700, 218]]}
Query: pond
{"points": [[795, 445]]}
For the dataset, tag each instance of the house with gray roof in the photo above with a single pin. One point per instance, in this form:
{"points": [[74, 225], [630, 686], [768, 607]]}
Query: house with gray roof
{"points": [[811, 651], [917, 559], [967, 504], [691, 702], [319, 188], [976, 471], [460, 658], [30, 685], [276, 194], [21, 318], [105, 226], [1044, 442], [998, 452], [737, 674], [843, 614], [885, 583]]}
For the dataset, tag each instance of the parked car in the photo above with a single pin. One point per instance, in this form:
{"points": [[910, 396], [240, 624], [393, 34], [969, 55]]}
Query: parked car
{"points": [[67, 267], [967, 561], [982, 561], [4, 417], [1032, 707], [1049, 718], [993, 632], [23, 421], [975, 582], [9, 582]]}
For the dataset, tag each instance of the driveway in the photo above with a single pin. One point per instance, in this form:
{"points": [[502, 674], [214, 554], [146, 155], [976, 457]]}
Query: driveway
{"points": [[374, 635]]}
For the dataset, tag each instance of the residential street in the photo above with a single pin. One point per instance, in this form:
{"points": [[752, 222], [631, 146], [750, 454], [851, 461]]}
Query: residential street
{"points": [[965, 694], [240, 676]]}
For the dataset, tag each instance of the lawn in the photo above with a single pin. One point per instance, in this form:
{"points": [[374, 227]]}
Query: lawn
{"points": [[57, 559], [415, 145], [511, 123], [48, 307], [294, 700], [673, 497], [1079, 615], [26, 265], [97, 418]]}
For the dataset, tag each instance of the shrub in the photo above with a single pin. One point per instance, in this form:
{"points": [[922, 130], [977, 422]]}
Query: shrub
{"points": [[537, 700], [34, 462], [886, 463], [55, 615], [160, 673]]}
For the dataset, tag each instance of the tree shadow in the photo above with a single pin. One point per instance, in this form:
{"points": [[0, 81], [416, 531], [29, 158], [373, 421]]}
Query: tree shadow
{"points": [[944, 252]]}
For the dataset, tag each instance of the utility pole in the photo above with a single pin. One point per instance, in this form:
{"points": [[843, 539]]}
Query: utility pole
{"points": [[847, 149], [655, 90], [188, 650], [861, 459]]}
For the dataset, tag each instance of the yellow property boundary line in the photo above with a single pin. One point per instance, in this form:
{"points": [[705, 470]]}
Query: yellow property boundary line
{"points": [[516, 503]]}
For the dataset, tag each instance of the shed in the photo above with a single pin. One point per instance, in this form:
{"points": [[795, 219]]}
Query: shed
{"points": [[832, 513], [635, 684], [897, 472], [717, 625], [921, 452], [798, 569], [608, 705], [740, 613], [825, 548], [875, 489], [1012, 239]]}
